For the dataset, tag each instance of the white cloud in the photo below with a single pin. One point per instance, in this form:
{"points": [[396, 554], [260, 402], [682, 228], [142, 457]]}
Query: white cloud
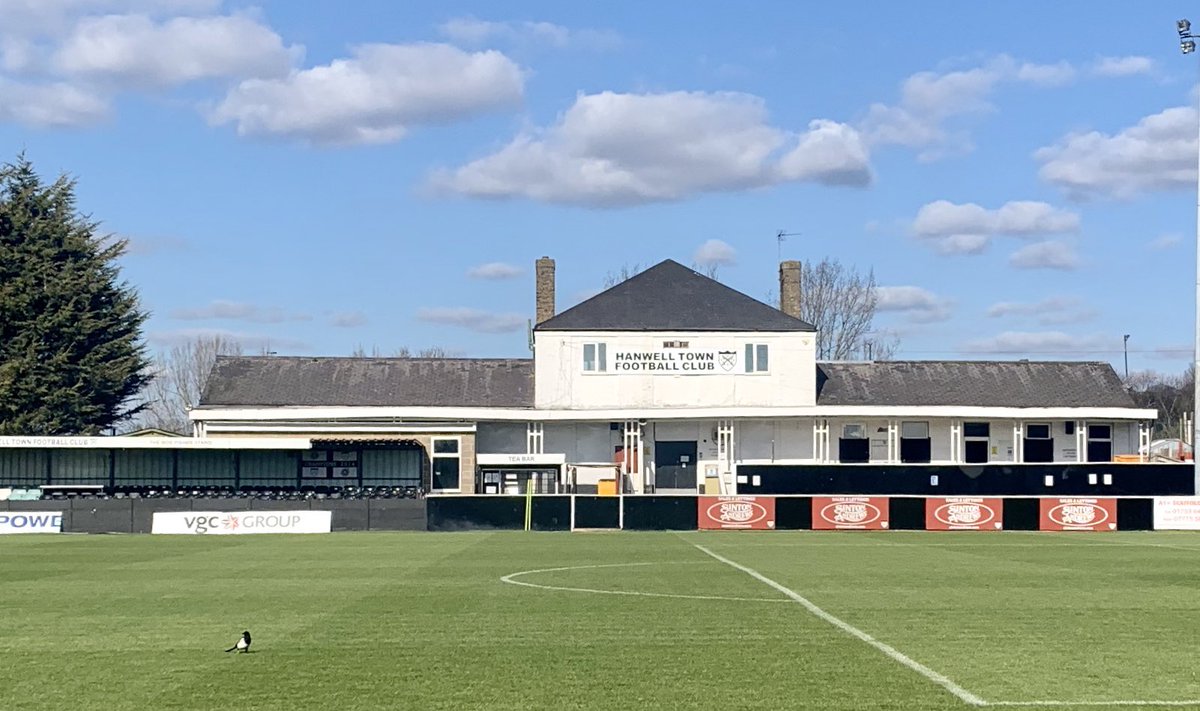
{"points": [[1051, 311], [237, 311], [967, 228], [917, 304], [472, 31], [136, 50], [40, 17], [495, 271], [473, 319], [1040, 343], [1051, 254], [929, 99], [1122, 66], [614, 149], [51, 105], [1166, 241], [715, 253], [140, 246], [348, 319], [375, 96], [1157, 153]]}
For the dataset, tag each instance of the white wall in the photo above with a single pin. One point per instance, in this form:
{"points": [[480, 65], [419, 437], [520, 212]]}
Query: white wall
{"points": [[580, 441], [790, 439], [561, 383]]}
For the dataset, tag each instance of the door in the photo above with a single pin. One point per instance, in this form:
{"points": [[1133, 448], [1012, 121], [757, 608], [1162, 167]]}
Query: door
{"points": [[675, 465]]}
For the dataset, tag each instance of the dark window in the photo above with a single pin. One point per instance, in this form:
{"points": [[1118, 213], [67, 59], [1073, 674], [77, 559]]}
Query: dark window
{"points": [[1069, 427], [976, 429], [1038, 431], [1099, 450], [976, 451], [914, 450], [1039, 450], [445, 473], [854, 450], [445, 446], [1100, 432]]}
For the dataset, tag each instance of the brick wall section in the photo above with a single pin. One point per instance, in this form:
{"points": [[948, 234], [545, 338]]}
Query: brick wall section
{"points": [[789, 287]]}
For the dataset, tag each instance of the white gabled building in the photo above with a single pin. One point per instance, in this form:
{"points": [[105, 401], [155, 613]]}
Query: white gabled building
{"points": [[684, 384]]}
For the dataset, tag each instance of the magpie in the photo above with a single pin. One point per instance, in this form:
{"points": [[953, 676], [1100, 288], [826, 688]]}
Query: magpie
{"points": [[243, 644]]}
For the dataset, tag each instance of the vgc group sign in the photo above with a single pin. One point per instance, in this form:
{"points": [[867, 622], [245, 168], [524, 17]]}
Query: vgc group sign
{"points": [[222, 523]]}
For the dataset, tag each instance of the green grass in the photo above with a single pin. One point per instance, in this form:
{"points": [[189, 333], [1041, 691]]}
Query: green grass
{"points": [[423, 621]]}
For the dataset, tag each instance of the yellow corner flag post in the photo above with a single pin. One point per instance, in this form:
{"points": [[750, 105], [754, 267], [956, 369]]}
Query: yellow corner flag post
{"points": [[529, 505]]}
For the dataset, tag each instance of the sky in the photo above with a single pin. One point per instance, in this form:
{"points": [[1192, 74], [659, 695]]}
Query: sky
{"points": [[313, 177]]}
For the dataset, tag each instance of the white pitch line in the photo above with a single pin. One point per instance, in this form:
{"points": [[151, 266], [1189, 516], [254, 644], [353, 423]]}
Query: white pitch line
{"points": [[1190, 702], [893, 653], [511, 579]]}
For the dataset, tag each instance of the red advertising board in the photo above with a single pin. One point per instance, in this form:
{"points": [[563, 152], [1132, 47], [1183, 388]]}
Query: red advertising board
{"points": [[862, 513], [963, 514], [1079, 515], [748, 513]]}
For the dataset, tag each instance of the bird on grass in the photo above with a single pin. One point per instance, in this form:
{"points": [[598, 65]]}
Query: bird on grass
{"points": [[243, 644]]}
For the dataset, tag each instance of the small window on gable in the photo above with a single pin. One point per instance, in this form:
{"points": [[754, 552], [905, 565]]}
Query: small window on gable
{"points": [[1069, 427], [595, 358], [675, 344], [756, 358], [914, 430]]}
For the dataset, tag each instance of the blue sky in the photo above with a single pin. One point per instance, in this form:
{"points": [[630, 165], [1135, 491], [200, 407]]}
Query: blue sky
{"points": [[309, 177]]}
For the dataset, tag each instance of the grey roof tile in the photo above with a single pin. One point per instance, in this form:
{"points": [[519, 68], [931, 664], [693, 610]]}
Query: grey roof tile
{"points": [[432, 382], [671, 297], [971, 383]]}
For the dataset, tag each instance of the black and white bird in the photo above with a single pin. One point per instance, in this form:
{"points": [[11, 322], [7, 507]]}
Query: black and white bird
{"points": [[243, 644]]}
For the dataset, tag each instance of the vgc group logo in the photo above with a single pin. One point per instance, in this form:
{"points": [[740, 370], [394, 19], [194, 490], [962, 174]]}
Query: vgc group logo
{"points": [[241, 522]]}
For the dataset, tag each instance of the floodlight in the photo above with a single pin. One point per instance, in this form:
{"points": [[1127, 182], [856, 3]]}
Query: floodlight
{"points": [[1187, 47], [1184, 26]]}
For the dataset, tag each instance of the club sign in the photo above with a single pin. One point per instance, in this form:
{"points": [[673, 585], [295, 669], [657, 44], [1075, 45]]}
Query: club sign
{"points": [[674, 362]]}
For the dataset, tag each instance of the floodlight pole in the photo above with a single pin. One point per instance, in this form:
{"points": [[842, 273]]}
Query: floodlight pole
{"points": [[1187, 44]]}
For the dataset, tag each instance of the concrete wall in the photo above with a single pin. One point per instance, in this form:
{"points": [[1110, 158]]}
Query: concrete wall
{"points": [[562, 383]]}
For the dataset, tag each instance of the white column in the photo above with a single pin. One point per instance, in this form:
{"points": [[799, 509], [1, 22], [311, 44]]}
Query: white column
{"points": [[534, 438], [1080, 440], [1144, 440], [956, 441], [820, 441], [893, 442], [632, 466], [726, 457], [1018, 441]]}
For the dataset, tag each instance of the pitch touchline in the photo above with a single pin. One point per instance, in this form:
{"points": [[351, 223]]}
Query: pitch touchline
{"points": [[1190, 702], [511, 579], [896, 655]]}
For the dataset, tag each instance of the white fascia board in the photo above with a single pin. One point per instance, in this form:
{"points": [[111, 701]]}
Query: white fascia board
{"points": [[155, 443], [482, 414], [328, 430]]}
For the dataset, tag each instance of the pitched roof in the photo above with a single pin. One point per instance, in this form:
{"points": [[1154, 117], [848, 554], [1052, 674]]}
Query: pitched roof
{"points": [[671, 297], [971, 383], [281, 381]]}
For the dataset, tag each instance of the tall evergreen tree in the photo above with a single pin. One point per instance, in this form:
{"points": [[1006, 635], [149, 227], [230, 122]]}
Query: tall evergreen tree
{"points": [[71, 353]]}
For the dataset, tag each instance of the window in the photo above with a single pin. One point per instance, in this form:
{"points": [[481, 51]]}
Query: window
{"points": [[1099, 445], [445, 464], [756, 358], [595, 358], [675, 344], [1038, 445], [914, 442], [854, 431], [1069, 427], [976, 443]]}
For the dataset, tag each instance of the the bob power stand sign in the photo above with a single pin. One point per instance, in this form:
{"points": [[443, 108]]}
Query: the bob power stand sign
{"points": [[748, 513], [963, 514], [1079, 515], [859, 513]]}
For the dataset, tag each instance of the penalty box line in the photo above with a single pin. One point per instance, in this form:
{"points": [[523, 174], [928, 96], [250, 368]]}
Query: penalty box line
{"points": [[896, 655], [940, 679]]}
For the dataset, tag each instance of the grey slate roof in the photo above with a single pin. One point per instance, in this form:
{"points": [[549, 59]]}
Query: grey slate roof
{"points": [[671, 297], [971, 383], [433, 382]]}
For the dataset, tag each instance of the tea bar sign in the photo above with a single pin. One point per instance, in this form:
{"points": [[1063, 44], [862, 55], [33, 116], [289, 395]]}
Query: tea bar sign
{"points": [[675, 362]]}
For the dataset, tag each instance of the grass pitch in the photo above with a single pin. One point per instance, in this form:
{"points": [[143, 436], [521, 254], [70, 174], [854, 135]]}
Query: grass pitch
{"points": [[608, 621]]}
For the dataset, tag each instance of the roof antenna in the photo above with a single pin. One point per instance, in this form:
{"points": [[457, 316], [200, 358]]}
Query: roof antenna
{"points": [[780, 236]]}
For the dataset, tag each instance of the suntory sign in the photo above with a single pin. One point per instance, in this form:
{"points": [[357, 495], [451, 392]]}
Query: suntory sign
{"points": [[676, 362]]}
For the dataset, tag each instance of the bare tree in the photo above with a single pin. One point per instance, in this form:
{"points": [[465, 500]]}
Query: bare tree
{"points": [[625, 273], [708, 269], [178, 380], [840, 301], [401, 352], [1172, 395]]}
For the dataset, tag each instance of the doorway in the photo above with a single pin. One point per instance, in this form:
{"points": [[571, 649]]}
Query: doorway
{"points": [[675, 465]]}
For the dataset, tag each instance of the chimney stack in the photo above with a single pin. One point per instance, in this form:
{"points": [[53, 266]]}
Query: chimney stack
{"points": [[544, 280], [789, 288]]}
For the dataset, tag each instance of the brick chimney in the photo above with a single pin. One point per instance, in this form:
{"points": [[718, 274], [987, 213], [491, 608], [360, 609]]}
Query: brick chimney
{"points": [[544, 280], [789, 288]]}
